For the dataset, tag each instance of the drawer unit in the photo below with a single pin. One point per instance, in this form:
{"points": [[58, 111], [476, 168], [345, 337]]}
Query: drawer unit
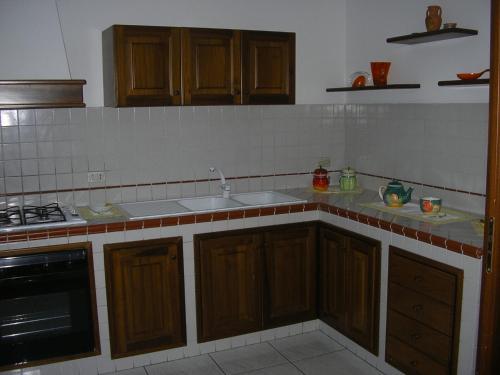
{"points": [[423, 314]]}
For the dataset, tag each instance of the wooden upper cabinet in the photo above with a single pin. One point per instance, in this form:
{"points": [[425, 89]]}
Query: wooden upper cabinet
{"points": [[141, 66], [290, 271], [229, 285], [211, 66], [268, 67], [145, 290]]}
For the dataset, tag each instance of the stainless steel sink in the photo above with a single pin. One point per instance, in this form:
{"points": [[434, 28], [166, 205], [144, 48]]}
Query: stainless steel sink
{"points": [[265, 198], [209, 203]]}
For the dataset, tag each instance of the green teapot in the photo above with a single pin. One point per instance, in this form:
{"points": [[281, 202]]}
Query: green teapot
{"points": [[394, 195]]}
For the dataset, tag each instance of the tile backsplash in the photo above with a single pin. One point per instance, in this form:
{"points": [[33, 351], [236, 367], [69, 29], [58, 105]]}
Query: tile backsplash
{"points": [[165, 152]]}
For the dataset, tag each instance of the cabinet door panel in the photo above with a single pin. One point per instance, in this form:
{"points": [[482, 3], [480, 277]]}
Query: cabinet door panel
{"points": [[333, 263], [363, 281], [228, 286], [211, 66], [268, 67], [147, 64], [290, 292], [145, 294]]}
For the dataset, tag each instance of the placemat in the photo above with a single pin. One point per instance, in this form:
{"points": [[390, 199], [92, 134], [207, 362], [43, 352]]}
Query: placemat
{"points": [[412, 211], [335, 189], [89, 215]]}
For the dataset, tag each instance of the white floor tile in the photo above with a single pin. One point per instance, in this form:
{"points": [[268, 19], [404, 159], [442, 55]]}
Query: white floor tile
{"points": [[201, 365], [285, 369], [312, 344], [132, 371], [338, 363], [248, 358]]}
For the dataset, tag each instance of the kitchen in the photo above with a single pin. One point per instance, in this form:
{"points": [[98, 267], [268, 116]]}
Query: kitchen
{"points": [[441, 132]]}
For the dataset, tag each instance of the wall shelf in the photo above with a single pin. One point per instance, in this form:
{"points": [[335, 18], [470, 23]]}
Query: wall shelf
{"points": [[432, 36], [59, 93], [368, 88], [470, 82]]}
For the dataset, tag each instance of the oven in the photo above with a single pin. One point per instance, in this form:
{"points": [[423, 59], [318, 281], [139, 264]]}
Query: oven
{"points": [[47, 305]]}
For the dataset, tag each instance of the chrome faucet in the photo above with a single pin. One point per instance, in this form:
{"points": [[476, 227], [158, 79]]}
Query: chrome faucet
{"points": [[225, 187]]}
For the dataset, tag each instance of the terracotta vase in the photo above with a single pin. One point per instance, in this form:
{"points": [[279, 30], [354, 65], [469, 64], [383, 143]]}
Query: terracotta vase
{"points": [[433, 18]]}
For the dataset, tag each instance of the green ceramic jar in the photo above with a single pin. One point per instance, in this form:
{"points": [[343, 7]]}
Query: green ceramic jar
{"points": [[348, 180]]}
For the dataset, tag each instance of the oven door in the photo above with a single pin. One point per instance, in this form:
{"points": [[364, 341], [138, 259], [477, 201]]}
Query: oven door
{"points": [[45, 307]]}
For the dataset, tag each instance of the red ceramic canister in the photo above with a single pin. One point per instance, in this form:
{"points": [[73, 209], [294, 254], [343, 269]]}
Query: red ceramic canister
{"points": [[321, 179]]}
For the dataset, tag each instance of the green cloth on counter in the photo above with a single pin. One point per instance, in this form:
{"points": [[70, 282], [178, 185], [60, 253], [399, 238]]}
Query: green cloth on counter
{"points": [[89, 215], [412, 211]]}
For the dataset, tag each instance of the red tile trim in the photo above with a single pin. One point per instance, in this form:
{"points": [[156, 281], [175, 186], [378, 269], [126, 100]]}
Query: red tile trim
{"points": [[187, 219], [470, 250], [266, 211], [96, 229], [252, 212], [152, 223], [424, 237], [296, 208], [17, 237], [396, 228], [134, 225], [352, 215], [236, 214], [218, 216], [311, 207], [385, 225], [3, 238], [454, 246], [77, 231], [372, 221], [115, 227], [53, 233], [169, 221], [281, 210], [42, 235], [438, 241], [203, 218], [363, 219], [410, 233], [341, 212]]}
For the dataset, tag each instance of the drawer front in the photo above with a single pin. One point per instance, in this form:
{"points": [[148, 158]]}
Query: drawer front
{"points": [[434, 344], [422, 278], [422, 308], [411, 361]]}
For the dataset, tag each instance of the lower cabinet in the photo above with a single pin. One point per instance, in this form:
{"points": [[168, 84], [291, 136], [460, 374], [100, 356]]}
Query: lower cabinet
{"points": [[349, 279], [249, 280], [423, 314], [145, 291]]}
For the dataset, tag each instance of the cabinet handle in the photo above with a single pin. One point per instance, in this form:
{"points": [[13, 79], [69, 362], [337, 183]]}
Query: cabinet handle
{"points": [[415, 336], [177, 92], [414, 363], [173, 256], [417, 278], [417, 308]]}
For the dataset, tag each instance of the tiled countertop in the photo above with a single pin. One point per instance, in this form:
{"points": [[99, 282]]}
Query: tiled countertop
{"points": [[461, 237]]}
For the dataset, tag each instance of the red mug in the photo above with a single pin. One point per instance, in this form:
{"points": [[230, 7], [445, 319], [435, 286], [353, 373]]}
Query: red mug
{"points": [[380, 70]]}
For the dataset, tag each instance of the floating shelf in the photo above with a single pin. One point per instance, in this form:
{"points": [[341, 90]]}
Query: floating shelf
{"points": [[432, 36], [470, 82], [368, 88], [59, 93]]}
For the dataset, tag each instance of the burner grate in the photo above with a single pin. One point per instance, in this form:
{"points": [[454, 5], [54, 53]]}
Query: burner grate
{"points": [[50, 213], [10, 216]]}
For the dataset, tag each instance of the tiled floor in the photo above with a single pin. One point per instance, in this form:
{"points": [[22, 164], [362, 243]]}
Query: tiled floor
{"points": [[312, 353]]}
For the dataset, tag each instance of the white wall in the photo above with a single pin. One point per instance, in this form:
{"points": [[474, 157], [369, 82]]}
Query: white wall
{"points": [[370, 23], [36, 52]]}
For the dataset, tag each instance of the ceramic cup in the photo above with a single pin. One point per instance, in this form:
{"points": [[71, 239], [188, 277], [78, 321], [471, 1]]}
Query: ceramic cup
{"points": [[380, 70], [429, 205]]}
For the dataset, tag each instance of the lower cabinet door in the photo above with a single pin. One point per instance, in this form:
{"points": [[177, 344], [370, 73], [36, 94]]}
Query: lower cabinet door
{"points": [[228, 277], [145, 293], [332, 278], [290, 272], [363, 279]]}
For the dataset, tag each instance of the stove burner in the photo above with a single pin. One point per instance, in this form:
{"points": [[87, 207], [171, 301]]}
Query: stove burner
{"points": [[10, 216], [49, 213], [42, 213]]}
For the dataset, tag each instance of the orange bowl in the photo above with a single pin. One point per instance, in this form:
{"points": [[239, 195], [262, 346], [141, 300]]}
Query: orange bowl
{"points": [[468, 76]]}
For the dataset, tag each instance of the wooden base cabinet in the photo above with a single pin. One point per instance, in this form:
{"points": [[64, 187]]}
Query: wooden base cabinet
{"points": [[249, 280], [349, 278], [423, 314], [145, 291]]}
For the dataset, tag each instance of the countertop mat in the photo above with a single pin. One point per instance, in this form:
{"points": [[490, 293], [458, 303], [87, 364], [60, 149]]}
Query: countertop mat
{"points": [[89, 215], [335, 189], [412, 211]]}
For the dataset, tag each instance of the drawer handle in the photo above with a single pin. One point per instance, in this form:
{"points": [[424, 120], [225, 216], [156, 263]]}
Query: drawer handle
{"points": [[418, 279], [173, 256], [417, 308], [415, 336], [414, 363]]}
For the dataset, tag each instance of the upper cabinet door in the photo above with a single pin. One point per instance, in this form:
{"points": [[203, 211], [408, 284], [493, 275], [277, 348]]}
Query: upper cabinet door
{"points": [[268, 67], [141, 66], [211, 66]]}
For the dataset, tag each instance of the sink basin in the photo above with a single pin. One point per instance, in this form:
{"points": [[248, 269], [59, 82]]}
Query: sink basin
{"points": [[209, 203], [151, 209], [265, 198]]}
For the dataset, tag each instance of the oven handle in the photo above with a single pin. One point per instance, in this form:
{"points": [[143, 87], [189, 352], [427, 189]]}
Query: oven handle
{"points": [[43, 258]]}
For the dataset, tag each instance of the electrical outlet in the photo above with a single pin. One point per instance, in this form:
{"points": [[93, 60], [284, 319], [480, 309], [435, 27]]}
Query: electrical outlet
{"points": [[324, 161], [96, 177]]}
